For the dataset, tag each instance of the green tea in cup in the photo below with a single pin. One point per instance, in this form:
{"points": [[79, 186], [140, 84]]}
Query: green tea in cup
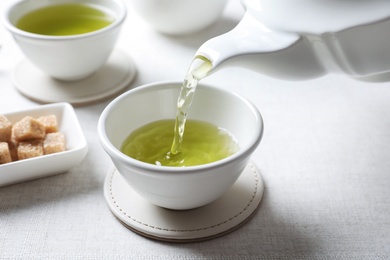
{"points": [[203, 143], [64, 20]]}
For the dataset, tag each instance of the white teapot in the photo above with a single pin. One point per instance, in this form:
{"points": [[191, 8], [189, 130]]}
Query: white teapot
{"points": [[303, 39]]}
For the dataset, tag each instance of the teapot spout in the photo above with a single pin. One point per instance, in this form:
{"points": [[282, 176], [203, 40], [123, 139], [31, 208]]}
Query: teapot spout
{"points": [[254, 46]]}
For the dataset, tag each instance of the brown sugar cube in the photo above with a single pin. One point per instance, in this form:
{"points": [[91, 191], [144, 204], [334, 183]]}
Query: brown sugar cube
{"points": [[28, 128], [30, 149], [54, 143], [49, 122], [13, 141], [5, 156], [5, 129], [13, 149]]}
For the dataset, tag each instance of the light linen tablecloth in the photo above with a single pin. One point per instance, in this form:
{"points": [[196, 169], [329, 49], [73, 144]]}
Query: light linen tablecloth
{"points": [[324, 157]]}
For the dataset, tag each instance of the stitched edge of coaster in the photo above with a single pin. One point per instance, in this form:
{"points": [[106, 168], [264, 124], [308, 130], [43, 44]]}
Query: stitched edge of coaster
{"points": [[255, 190]]}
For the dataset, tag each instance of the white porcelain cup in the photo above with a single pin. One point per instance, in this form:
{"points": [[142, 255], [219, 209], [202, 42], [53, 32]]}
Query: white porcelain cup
{"points": [[70, 57], [178, 17], [180, 187]]}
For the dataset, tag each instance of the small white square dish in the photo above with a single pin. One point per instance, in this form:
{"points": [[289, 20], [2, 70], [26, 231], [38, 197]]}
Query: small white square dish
{"points": [[46, 165]]}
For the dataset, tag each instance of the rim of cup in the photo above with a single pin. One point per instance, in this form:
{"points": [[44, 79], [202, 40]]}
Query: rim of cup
{"points": [[151, 168], [119, 19]]}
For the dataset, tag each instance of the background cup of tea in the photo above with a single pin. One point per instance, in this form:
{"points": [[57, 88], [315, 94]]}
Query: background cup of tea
{"points": [[180, 187], [66, 39], [177, 17]]}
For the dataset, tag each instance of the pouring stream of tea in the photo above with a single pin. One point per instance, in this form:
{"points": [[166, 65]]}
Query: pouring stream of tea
{"points": [[199, 69]]}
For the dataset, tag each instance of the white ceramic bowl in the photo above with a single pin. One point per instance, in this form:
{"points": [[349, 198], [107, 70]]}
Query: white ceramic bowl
{"points": [[46, 165], [67, 57], [179, 16], [180, 187]]}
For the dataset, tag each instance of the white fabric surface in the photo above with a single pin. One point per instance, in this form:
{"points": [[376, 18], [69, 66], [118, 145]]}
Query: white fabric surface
{"points": [[324, 158]]}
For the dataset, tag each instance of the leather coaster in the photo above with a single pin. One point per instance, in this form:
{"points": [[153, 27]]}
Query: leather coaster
{"points": [[220, 217], [113, 77]]}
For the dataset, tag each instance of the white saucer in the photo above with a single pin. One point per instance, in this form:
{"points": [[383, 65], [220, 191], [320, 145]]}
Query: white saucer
{"points": [[114, 76], [224, 215]]}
